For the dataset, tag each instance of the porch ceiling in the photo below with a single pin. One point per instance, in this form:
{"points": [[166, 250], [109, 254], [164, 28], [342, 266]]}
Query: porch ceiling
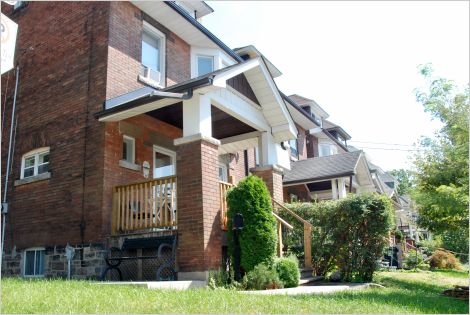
{"points": [[223, 125]]}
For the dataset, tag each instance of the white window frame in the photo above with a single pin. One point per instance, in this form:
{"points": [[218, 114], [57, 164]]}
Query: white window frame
{"points": [[207, 57], [225, 172], [165, 151], [33, 249], [156, 33], [125, 137], [36, 154], [332, 149], [221, 59]]}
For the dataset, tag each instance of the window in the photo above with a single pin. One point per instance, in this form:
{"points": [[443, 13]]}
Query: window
{"points": [[205, 64], [223, 172], [128, 149], [153, 56], [293, 148], [18, 5], [34, 262], [327, 149], [163, 162], [35, 163]]}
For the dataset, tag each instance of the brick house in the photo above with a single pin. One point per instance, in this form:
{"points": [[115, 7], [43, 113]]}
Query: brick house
{"points": [[131, 117]]}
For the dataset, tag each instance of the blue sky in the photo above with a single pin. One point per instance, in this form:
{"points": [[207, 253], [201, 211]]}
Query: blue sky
{"points": [[356, 59]]}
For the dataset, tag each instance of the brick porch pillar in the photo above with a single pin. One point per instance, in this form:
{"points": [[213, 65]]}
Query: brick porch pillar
{"points": [[272, 176], [199, 232]]}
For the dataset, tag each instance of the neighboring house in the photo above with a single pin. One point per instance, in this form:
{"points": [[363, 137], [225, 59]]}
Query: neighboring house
{"points": [[327, 170], [131, 118]]}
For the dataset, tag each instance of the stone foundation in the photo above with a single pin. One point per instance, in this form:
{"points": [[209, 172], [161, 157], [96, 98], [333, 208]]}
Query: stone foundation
{"points": [[87, 263]]}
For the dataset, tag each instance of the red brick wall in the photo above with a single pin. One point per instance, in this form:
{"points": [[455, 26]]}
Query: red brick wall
{"points": [[199, 230], [125, 47], [273, 179], [147, 132], [62, 55]]}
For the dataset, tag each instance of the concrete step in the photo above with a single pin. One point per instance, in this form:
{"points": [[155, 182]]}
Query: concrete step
{"points": [[310, 279]]}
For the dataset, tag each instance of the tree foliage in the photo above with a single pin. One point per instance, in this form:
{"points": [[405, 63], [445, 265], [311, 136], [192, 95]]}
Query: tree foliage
{"points": [[405, 180], [441, 178], [258, 239]]}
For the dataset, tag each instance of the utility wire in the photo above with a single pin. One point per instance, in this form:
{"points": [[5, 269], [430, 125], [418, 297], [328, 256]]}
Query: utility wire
{"points": [[398, 144], [392, 149]]}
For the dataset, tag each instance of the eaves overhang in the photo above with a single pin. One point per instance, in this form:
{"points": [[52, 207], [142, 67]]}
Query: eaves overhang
{"points": [[317, 179]]}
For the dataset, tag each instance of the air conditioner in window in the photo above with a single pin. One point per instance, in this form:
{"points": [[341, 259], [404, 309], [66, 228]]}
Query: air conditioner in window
{"points": [[151, 74]]}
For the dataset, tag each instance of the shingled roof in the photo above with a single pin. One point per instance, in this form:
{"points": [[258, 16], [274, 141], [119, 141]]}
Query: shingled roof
{"points": [[322, 168]]}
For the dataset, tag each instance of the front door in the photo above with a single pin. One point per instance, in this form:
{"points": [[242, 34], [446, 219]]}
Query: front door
{"points": [[164, 192]]}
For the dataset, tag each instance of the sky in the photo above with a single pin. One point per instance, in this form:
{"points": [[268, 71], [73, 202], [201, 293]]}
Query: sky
{"points": [[357, 60]]}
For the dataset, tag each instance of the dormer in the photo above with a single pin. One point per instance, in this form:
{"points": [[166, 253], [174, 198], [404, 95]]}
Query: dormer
{"points": [[250, 52], [311, 107]]}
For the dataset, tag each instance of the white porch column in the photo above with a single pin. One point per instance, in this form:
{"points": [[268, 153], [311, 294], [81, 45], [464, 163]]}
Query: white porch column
{"points": [[341, 188], [334, 189], [197, 116], [263, 149]]}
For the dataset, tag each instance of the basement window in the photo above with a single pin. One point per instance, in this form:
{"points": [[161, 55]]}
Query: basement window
{"points": [[35, 162], [34, 262]]}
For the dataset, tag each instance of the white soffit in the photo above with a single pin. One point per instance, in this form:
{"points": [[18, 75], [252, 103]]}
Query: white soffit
{"points": [[173, 21], [142, 109], [299, 118]]}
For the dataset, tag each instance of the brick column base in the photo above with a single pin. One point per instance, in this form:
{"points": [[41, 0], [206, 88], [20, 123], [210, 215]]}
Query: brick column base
{"points": [[198, 201], [272, 176]]}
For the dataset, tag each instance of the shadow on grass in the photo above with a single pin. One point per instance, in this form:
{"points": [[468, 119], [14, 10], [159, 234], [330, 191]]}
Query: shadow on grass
{"points": [[409, 301]]}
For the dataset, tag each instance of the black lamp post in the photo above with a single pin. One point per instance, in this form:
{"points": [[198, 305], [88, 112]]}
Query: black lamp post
{"points": [[237, 226]]}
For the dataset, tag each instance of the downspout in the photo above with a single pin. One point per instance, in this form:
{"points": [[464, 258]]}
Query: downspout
{"points": [[82, 224], [245, 155], [350, 184]]}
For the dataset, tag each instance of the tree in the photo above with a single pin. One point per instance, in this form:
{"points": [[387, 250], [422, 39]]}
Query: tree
{"points": [[441, 191], [405, 180]]}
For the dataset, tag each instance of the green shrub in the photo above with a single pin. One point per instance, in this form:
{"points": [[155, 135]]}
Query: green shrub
{"points": [[444, 260], [262, 277], [349, 234], [398, 236], [219, 279], [413, 259], [429, 246], [288, 270], [258, 238]]}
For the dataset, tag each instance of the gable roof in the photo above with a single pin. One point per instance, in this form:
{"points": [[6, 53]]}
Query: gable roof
{"points": [[303, 101], [322, 168]]}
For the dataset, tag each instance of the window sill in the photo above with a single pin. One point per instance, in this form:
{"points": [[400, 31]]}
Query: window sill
{"points": [[32, 179], [131, 166], [152, 83]]}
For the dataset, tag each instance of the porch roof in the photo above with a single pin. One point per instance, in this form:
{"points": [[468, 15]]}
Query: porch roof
{"points": [[322, 168], [272, 113]]}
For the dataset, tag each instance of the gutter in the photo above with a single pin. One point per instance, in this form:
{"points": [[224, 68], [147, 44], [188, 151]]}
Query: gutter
{"points": [[204, 30], [317, 179], [170, 92], [285, 97]]}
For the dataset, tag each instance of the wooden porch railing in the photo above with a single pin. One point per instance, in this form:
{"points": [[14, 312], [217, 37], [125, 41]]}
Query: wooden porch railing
{"points": [[307, 234], [144, 205], [223, 188]]}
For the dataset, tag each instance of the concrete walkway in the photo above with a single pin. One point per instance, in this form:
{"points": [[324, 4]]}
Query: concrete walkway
{"points": [[174, 285], [317, 288]]}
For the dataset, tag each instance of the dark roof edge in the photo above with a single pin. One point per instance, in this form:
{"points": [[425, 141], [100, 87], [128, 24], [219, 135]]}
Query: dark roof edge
{"points": [[341, 130], [335, 140], [140, 101], [296, 106], [204, 30], [316, 179]]}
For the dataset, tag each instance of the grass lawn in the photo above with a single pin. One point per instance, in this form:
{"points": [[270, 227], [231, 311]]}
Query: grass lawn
{"points": [[406, 292]]}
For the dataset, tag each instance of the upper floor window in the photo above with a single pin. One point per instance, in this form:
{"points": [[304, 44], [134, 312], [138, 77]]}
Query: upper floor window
{"points": [[205, 64], [35, 162], [34, 262], [326, 149], [153, 56], [293, 148]]}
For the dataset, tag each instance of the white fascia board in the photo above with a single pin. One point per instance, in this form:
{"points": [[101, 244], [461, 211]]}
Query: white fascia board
{"points": [[244, 136], [139, 110], [220, 80], [278, 96], [299, 118], [238, 108]]}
